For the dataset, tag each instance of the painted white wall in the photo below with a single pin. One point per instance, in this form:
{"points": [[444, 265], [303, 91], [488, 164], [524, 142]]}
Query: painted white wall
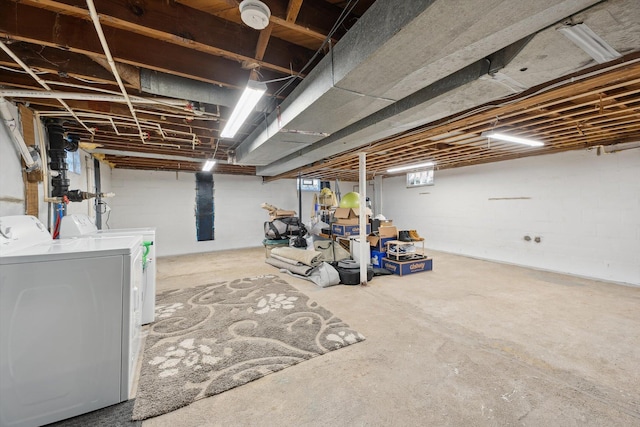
{"points": [[166, 200], [84, 181], [105, 186], [585, 208], [11, 184]]}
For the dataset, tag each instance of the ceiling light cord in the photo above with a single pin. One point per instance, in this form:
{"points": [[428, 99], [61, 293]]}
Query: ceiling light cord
{"points": [[351, 4], [343, 15]]}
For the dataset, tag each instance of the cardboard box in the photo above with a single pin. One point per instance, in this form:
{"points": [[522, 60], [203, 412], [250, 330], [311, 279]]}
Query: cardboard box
{"points": [[402, 268], [377, 223], [378, 243], [347, 230], [345, 213], [377, 258], [350, 221], [346, 216], [388, 231]]}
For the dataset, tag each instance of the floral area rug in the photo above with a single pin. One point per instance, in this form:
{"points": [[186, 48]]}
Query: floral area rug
{"points": [[212, 338]]}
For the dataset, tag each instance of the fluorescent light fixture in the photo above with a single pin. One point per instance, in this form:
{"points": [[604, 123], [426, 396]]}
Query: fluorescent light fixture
{"points": [[250, 97], [409, 167], [208, 165], [590, 42], [516, 139]]}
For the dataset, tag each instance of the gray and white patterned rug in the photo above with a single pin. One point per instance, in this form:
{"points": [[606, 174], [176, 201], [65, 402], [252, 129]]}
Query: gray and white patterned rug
{"points": [[212, 338]]}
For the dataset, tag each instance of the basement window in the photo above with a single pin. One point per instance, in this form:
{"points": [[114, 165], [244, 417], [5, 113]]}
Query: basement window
{"points": [[420, 178], [307, 184], [205, 215], [73, 162]]}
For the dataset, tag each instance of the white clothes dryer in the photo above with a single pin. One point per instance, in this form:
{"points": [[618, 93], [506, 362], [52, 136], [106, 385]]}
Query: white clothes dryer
{"points": [[70, 320], [80, 225]]}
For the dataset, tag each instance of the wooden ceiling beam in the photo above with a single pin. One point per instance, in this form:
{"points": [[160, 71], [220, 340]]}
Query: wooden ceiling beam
{"points": [[56, 62], [32, 25], [585, 121], [20, 80], [489, 121], [263, 40], [261, 47], [318, 16], [501, 150], [569, 138], [170, 130], [544, 111], [622, 76], [128, 73], [124, 162], [317, 37], [473, 155], [120, 111], [572, 136], [293, 9], [554, 108], [312, 25], [176, 24]]}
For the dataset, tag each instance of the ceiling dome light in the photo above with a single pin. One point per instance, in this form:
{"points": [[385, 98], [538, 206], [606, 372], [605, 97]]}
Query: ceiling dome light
{"points": [[255, 14]]}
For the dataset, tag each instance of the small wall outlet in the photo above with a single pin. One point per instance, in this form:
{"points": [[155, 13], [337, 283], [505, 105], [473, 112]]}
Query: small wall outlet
{"points": [[527, 238], [537, 239]]}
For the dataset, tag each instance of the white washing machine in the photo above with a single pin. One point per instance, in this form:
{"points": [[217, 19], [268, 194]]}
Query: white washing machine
{"points": [[70, 320], [80, 225]]}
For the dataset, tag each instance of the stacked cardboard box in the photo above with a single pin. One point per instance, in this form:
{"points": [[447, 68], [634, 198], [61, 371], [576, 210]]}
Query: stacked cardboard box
{"points": [[377, 223], [377, 242], [347, 222], [346, 216]]}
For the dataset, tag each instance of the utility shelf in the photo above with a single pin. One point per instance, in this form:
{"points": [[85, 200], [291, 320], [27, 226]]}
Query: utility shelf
{"points": [[399, 243]]}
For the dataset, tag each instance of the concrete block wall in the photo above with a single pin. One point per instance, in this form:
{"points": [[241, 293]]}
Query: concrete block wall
{"points": [[166, 200], [85, 181], [584, 208]]}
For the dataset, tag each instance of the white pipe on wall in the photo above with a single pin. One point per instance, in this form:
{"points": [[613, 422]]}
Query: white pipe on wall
{"points": [[12, 125]]}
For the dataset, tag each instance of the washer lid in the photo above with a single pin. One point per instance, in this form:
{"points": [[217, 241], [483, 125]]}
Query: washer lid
{"points": [[21, 231]]}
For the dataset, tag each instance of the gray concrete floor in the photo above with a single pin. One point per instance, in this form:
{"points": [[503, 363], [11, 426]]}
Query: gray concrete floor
{"points": [[471, 343]]}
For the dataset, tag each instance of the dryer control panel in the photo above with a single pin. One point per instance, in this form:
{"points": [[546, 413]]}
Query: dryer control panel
{"points": [[76, 225]]}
